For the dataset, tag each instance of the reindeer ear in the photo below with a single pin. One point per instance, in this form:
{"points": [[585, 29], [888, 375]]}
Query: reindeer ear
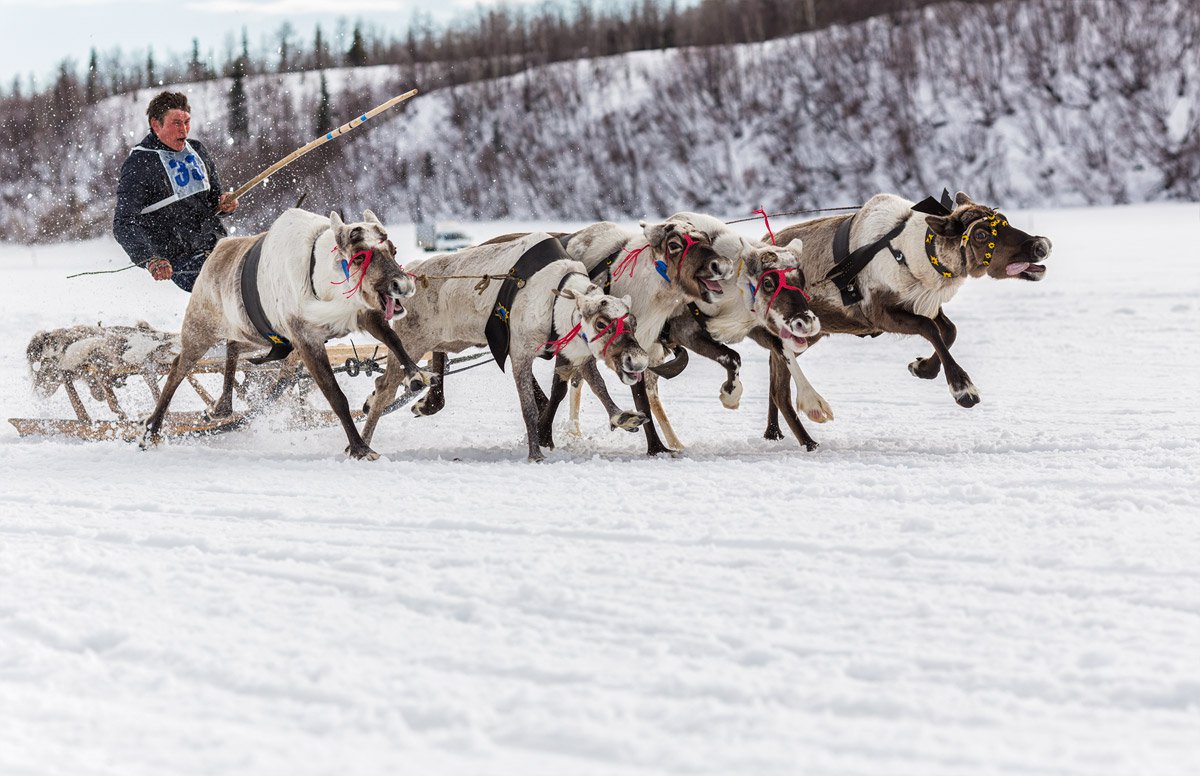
{"points": [[592, 290], [335, 220], [566, 293], [657, 234], [628, 300], [961, 198], [370, 217], [796, 246], [945, 226]]}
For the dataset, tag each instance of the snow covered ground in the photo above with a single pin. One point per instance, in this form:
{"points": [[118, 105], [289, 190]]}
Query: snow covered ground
{"points": [[1009, 589]]}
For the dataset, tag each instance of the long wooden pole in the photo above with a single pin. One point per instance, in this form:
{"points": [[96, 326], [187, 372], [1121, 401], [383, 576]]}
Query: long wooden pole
{"points": [[322, 140]]}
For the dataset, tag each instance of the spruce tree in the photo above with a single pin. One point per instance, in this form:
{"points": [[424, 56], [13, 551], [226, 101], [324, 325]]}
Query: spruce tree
{"points": [[357, 55], [93, 91], [324, 110], [239, 116]]}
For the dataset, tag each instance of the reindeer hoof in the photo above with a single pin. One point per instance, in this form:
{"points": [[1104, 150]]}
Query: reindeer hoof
{"points": [[925, 368], [419, 380], [772, 434], [731, 394], [537, 457], [628, 421], [966, 396], [818, 410], [363, 453], [810, 445], [428, 406]]}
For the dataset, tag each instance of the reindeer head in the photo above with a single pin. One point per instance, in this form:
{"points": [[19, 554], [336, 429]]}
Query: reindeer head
{"points": [[777, 298], [988, 244], [689, 260], [609, 328], [371, 265]]}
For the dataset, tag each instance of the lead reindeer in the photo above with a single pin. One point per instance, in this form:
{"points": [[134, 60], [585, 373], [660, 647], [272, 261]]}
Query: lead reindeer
{"points": [[558, 312], [892, 265], [316, 278]]}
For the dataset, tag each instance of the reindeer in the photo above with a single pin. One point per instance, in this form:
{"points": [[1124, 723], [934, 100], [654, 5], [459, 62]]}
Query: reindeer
{"points": [[558, 312], [765, 301], [662, 268], [317, 278], [932, 248]]}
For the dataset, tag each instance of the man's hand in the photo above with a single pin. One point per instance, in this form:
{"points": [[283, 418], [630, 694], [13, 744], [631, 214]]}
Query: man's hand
{"points": [[160, 269], [227, 203]]}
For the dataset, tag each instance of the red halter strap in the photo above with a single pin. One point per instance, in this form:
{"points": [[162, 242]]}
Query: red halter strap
{"points": [[767, 221], [630, 262], [562, 342], [620, 329], [781, 276], [369, 253]]}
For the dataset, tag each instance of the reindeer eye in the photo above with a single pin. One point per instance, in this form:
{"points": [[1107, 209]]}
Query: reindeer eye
{"points": [[981, 234], [769, 282]]}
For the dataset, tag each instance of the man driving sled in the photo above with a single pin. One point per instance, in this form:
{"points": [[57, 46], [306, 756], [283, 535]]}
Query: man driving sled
{"points": [[169, 197]]}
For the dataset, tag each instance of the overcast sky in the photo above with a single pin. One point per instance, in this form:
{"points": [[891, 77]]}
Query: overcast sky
{"points": [[38, 35]]}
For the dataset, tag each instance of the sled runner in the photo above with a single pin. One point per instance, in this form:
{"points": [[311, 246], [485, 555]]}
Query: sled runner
{"points": [[105, 363]]}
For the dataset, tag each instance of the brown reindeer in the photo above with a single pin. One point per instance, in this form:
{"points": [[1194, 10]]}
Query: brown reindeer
{"points": [[915, 262]]}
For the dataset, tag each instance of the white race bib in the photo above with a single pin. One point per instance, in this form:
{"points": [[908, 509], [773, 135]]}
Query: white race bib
{"points": [[185, 170]]}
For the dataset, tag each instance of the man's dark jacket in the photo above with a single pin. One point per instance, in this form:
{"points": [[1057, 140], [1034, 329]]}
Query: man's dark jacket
{"points": [[175, 231]]}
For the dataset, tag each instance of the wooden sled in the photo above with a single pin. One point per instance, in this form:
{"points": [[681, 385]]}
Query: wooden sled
{"points": [[107, 367]]}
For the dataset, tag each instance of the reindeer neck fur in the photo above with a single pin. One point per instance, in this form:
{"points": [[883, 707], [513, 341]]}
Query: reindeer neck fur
{"points": [[284, 278], [916, 283], [730, 319], [564, 313], [654, 300]]}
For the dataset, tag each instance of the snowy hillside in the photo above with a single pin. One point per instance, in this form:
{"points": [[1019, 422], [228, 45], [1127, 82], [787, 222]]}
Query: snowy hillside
{"points": [[1011, 589], [1035, 103]]}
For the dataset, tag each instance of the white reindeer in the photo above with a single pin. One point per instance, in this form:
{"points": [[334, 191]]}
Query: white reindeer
{"points": [[318, 278]]}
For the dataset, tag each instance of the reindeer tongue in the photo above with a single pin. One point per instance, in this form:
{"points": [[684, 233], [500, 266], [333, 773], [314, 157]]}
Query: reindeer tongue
{"points": [[389, 308], [1018, 268]]}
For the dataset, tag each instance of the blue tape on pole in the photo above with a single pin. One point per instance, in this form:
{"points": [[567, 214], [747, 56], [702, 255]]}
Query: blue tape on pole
{"points": [[363, 117], [329, 136]]}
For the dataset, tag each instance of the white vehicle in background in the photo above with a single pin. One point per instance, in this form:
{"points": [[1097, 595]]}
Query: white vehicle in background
{"points": [[432, 236]]}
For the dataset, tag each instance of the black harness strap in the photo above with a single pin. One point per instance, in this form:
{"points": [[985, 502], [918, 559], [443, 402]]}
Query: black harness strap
{"points": [[849, 264], [280, 346], [531, 261], [605, 268], [554, 329]]}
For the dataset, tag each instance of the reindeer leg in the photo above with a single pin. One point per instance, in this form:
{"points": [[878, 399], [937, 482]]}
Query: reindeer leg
{"points": [[192, 347], [928, 368], [435, 398], [617, 417], [386, 386], [808, 400], [558, 392], [660, 412], [781, 389], [961, 388], [687, 330], [573, 428], [523, 375], [224, 405], [373, 322], [317, 363], [641, 400]]}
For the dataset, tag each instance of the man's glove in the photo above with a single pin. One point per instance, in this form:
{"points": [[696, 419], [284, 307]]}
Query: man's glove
{"points": [[160, 269]]}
